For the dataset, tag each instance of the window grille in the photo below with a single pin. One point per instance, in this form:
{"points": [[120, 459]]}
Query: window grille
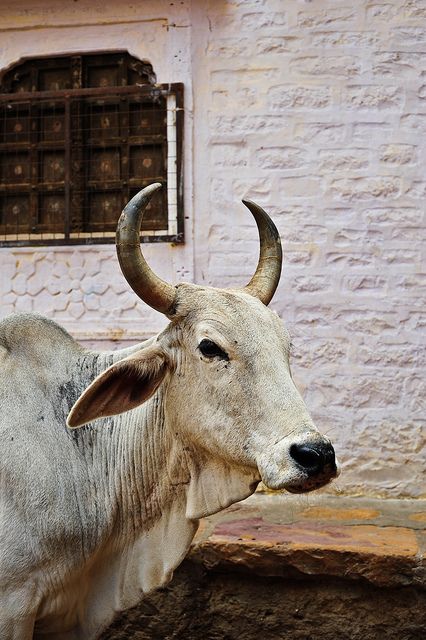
{"points": [[79, 136]]}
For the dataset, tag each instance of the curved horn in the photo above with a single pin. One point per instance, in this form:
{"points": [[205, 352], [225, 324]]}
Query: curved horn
{"points": [[150, 288], [265, 280]]}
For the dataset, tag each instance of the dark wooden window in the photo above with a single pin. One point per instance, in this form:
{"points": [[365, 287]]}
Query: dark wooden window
{"points": [[79, 136]]}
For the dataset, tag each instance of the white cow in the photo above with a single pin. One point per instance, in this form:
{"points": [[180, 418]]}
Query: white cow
{"points": [[184, 425]]}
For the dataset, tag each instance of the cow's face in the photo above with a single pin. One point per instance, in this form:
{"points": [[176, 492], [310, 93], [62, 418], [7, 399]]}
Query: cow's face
{"points": [[223, 364], [232, 390]]}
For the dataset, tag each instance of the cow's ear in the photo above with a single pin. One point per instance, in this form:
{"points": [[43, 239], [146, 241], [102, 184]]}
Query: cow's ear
{"points": [[123, 386]]}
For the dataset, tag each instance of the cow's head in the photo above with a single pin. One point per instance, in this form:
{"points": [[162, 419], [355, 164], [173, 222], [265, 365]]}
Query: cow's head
{"points": [[223, 366]]}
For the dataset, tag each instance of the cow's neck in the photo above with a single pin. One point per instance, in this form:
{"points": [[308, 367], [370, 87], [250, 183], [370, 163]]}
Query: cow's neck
{"points": [[153, 489]]}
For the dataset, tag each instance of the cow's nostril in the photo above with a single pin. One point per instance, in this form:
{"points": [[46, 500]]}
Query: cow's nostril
{"points": [[307, 457]]}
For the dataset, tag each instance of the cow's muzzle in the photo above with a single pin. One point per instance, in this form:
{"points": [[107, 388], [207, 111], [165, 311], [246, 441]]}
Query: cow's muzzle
{"points": [[317, 463]]}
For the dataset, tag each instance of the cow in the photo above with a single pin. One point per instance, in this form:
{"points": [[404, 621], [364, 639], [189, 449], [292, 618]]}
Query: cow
{"points": [[109, 460]]}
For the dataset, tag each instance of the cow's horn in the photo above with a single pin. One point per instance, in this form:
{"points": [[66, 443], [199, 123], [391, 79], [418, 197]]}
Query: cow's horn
{"points": [[150, 288], [265, 281]]}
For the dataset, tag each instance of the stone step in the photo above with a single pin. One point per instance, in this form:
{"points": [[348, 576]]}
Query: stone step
{"points": [[382, 541]]}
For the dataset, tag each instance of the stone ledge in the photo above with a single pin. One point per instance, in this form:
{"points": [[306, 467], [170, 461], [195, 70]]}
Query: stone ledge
{"points": [[380, 541]]}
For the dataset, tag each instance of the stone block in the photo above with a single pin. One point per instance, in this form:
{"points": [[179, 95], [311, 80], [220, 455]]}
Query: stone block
{"points": [[295, 97], [263, 20], [373, 97], [409, 36], [365, 285], [327, 66], [229, 155], [275, 45], [280, 157], [311, 284], [398, 154], [344, 39], [319, 132], [300, 187], [329, 18], [343, 159], [414, 9], [366, 188], [398, 63], [369, 131], [411, 216]]}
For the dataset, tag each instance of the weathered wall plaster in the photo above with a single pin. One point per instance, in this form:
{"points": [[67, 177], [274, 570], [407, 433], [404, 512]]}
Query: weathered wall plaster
{"points": [[317, 111]]}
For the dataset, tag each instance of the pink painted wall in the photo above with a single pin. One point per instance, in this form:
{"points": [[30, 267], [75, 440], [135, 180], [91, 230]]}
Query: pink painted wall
{"points": [[316, 111]]}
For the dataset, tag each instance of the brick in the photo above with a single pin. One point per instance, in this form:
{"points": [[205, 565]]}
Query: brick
{"points": [[311, 284], [274, 45], [319, 132], [367, 131], [349, 39], [410, 235], [368, 322], [329, 392], [298, 257], [398, 154], [314, 234], [246, 97], [381, 12], [263, 20], [393, 215], [415, 390], [247, 124], [352, 237], [294, 97], [401, 257], [256, 189], [326, 18], [383, 187], [343, 159], [350, 259], [328, 66], [229, 155], [228, 48], [300, 187], [365, 285], [414, 9], [280, 157], [375, 392], [417, 189], [409, 35], [398, 63], [373, 97], [415, 122], [312, 315], [320, 353], [415, 282], [391, 355]]}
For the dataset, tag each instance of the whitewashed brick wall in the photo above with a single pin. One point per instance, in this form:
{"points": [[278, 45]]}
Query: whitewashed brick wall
{"points": [[316, 110]]}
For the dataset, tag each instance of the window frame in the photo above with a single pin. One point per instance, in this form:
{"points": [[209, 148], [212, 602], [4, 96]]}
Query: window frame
{"points": [[173, 93]]}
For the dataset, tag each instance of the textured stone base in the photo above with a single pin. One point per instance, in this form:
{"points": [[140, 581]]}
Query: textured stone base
{"points": [[279, 567]]}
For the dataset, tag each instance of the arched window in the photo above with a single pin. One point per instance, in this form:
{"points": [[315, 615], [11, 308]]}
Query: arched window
{"points": [[79, 136]]}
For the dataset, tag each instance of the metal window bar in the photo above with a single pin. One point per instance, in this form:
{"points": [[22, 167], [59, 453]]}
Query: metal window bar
{"points": [[71, 159]]}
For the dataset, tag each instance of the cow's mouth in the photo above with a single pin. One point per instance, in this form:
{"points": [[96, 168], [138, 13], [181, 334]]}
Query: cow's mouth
{"points": [[311, 483], [298, 480]]}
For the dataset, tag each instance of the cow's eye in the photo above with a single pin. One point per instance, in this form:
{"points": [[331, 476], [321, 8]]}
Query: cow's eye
{"points": [[210, 349]]}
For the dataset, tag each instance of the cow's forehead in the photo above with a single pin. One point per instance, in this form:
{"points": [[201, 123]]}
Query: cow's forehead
{"points": [[233, 314]]}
